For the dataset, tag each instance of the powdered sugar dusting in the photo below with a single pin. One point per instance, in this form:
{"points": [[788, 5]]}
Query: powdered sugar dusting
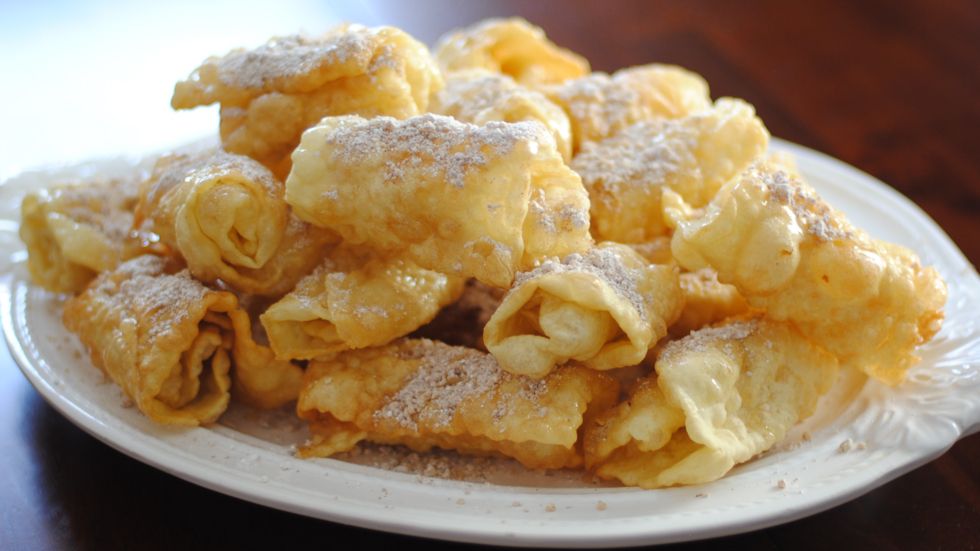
{"points": [[293, 55], [565, 218], [602, 262], [433, 146], [644, 154], [159, 301], [811, 212], [450, 376], [446, 378], [704, 339], [604, 103]]}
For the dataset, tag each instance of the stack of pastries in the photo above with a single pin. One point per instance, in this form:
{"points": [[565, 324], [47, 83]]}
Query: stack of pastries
{"points": [[484, 247]]}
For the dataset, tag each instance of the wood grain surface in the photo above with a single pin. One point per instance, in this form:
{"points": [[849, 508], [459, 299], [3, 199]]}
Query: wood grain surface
{"points": [[890, 87]]}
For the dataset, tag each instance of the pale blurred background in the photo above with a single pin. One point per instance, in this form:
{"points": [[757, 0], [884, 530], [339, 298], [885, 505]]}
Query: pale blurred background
{"points": [[93, 79]]}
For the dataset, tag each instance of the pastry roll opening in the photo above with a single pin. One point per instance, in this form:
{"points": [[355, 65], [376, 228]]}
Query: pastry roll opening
{"points": [[161, 336], [356, 299], [73, 232], [605, 308], [222, 212]]}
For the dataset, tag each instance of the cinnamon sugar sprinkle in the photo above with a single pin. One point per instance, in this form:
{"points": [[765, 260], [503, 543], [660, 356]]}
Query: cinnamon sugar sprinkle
{"points": [[294, 55], [601, 262], [702, 339], [432, 146], [811, 212], [449, 376], [646, 154]]}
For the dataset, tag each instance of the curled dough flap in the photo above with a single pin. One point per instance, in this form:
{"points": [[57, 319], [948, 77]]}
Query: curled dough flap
{"points": [[787, 252], [605, 308], [73, 232], [260, 379], [424, 393], [355, 299], [151, 332], [721, 396]]}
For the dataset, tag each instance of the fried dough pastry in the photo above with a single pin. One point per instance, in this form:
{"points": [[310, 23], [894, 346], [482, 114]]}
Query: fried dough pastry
{"points": [[788, 253], [706, 302], [480, 96], [692, 156], [73, 232], [460, 199], [157, 335], [355, 299], [259, 378], [271, 94], [426, 394], [604, 308], [222, 212], [600, 105], [513, 47], [721, 396]]}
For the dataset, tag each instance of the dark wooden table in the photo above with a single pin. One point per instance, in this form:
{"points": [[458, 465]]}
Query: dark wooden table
{"points": [[891, 88]]}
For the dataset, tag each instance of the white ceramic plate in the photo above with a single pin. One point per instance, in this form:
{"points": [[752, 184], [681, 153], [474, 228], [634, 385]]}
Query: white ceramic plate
{"points": [[247, 455]]}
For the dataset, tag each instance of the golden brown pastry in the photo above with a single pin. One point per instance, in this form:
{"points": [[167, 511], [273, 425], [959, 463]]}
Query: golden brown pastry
{"points": [[73, 232], [706, 302], [720, 396], [456, 198], [479, 96], [692, 156], [160, 336], [604, 308], [220, 211], [600, 105], [426, 394], [355, 299], [788, 253], [513, 47], [269, 95]]}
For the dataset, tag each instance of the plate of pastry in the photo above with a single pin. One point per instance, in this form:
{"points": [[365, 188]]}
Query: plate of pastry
{"points": [[480, 293]]}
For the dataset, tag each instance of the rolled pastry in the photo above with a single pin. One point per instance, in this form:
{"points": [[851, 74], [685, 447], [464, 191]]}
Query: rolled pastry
{"points": [[605, 308], [480, 96], [511, 46], [460, 199], [426, 394], [788, 253], [226, 217], [269, 95], [355, 299], [160, 336], [600, 105], [692, 156], [720, 396], [73, 232]]}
